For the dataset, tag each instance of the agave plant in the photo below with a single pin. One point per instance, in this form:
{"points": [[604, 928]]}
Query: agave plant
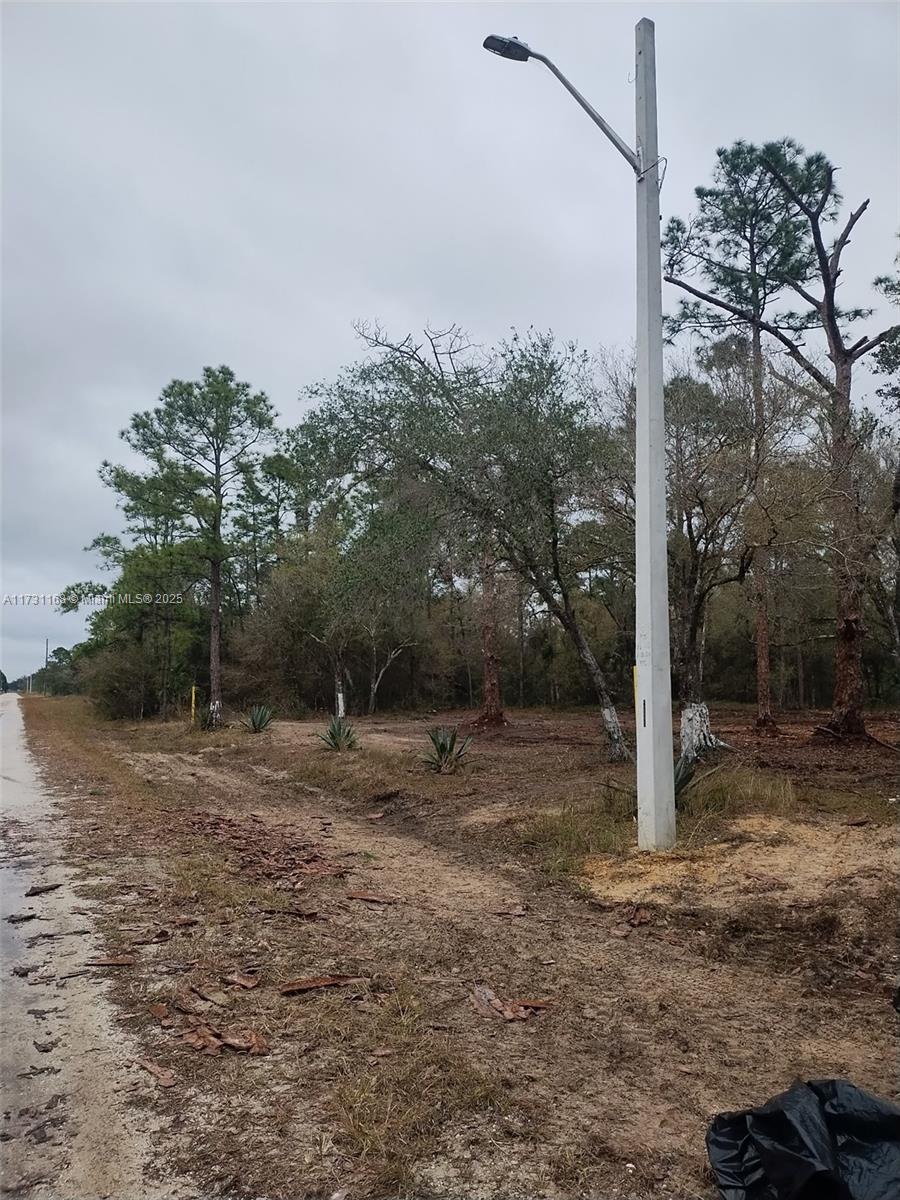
{"points": [[445, 754], [340, 735], [259, 718]]}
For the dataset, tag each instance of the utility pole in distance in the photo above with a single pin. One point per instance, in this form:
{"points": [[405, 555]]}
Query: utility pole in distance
{"points": [[653, 686]]}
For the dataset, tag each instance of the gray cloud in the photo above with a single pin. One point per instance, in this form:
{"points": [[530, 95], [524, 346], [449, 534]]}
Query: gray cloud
{"points": [[200, 183]]}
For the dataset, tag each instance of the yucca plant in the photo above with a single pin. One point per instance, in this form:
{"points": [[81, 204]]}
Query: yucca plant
{"points": [[340, 735], [258, 719], [684, 774], [445, 754]]}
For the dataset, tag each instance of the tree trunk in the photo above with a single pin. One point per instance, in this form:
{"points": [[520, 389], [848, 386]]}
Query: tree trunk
{"points": [[492, 702], [215, 640], [521, 646], [764, 718], [618, 748], [374, 680], [847, 700], [340, 703], [696, 733]]}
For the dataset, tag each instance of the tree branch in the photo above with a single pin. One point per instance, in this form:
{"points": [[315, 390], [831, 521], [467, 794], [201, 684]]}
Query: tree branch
{"points": [[749, 319]]}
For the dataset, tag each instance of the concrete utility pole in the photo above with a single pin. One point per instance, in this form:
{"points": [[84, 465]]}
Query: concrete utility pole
{"points": [[653, 688]]}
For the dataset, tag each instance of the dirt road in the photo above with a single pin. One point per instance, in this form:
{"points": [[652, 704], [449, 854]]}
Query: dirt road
{"points": [[67, 1129], [229, 868]]}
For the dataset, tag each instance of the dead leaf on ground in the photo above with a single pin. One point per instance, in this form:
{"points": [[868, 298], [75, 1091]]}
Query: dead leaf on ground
{"points": [[183, 922], [242, 981], [621, 931], [317, 981], [163, 1076], [534, 1004], [517, 910], [114, 960], [203, 1038], [376, 816], [212, 995], [160, 1011], [371, 898]]}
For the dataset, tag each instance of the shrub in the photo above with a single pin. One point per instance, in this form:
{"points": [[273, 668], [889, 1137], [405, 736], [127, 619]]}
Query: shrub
{"points": [[258, 719], [445, 756], [340, 735]]}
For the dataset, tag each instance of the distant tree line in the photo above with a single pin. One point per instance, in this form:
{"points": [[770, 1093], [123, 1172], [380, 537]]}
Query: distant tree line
{"points": [[452, 524]]}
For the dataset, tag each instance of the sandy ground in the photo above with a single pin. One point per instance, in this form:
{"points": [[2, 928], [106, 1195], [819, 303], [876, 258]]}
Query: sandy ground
{"points": [[663, 978], [66, 1063]]}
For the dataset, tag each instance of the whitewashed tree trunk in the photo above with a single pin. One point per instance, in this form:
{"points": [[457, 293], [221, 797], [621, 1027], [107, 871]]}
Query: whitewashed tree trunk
{"points": [[340, 705], [696, 734]]}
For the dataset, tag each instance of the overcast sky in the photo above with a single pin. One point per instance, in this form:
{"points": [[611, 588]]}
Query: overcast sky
{"points": [[192, 184]]}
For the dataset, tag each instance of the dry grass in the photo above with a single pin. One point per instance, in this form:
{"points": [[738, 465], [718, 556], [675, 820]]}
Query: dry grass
{"points": [[564, 837], [410, 1082], [605, 824]]}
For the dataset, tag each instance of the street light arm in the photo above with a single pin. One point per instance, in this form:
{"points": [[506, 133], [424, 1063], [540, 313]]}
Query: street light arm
{"points": [[624, 149]]}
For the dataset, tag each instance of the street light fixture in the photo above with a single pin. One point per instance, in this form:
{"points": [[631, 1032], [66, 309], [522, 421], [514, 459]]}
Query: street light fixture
{"points": [[653, 687]]}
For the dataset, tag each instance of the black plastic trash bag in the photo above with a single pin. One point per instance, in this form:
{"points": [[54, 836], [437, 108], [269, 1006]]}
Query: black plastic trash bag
{"points": [[822, 1140]]}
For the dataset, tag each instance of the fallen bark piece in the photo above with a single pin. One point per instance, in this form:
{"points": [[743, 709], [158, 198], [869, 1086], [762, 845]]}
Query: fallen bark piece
{"points": [[621, 931], [517, 911], [376, 816], [39, 889], [21, 918], [205, 1039], [163, 1076], [114, 960], [371, 898], [212, 995], [487, 1003], [243, 981], [317, 981], [183, 922], [248, 1041], [534, 1004]]}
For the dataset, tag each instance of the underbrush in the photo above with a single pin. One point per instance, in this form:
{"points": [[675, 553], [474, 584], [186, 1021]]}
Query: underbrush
{"points": [[605, 824]]}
